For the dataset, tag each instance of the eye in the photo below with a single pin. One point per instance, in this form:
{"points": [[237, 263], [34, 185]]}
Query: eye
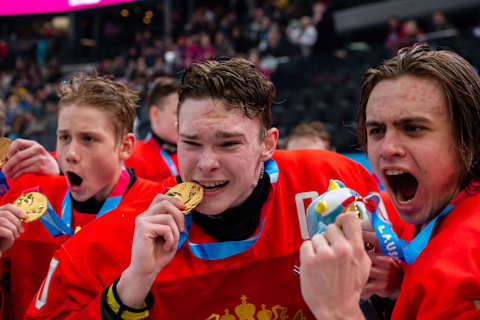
{"points": [[88, 139], [191, 143], [228, 144], [375, 131], [413, 128], [63, 137]]}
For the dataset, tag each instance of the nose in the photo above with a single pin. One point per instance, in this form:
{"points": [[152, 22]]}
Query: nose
{"points": [[72, 153], [209, 160], [392, 145]]}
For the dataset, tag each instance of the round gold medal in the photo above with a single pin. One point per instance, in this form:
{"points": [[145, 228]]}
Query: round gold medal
{"points": [[34, 204], [190, 193]]}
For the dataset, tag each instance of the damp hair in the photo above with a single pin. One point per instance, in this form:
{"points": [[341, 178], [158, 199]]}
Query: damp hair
{"points": [[460, 84], [236, 81], [102, 93]]}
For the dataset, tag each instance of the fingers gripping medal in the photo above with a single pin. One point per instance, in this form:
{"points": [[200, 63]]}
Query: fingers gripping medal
{"points": [[34, 204], [190, 193]]}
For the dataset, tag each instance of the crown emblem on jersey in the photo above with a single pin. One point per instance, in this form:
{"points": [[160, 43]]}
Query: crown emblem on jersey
{"points": [[246, 311]]}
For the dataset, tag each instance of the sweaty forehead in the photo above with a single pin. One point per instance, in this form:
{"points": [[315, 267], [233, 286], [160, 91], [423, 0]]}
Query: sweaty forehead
{"points": [[208, 110], [407, 95], [207, 116], [84, 118]]}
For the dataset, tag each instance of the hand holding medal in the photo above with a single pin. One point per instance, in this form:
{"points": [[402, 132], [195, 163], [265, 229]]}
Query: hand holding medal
{"points": [[155, 240], [27, 208], [189, 193], [332, 263]]}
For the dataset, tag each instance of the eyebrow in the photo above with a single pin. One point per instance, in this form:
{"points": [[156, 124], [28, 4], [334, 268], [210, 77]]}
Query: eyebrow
{"points": [[220, 134], [374, 123], [88, 132]]}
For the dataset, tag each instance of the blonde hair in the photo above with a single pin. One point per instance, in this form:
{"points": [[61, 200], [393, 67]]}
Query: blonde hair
{"points": [[102, 93]]}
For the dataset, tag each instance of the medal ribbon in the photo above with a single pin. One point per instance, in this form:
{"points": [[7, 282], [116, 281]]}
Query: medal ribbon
{"points": [[51, 221], [171, 165], [110, 203], [391, 245], [221, 250], [57, 226]]}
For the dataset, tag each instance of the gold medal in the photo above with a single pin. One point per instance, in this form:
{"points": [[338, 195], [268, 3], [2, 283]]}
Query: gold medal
{"points": [[34, 204], [190, 193], [4, 145], [353, 207]]}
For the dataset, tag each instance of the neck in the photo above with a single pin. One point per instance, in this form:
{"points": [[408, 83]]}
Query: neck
{"points": [[168, 146], [89, 206], [237, 223], [103, 194], [94, 204]]}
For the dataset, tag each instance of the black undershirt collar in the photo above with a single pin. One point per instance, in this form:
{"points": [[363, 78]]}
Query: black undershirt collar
{"points": [[93, 206], [236, 223], [169, 147]]}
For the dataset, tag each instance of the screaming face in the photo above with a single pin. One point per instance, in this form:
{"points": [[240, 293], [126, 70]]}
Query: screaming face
{"points": [[411, 146]]}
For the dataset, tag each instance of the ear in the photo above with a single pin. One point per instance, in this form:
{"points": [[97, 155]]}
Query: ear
{"points": [[269, 144], [153, 113], [126, 146]]}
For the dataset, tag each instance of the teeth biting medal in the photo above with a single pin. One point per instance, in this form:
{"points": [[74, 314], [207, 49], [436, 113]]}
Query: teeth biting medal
{"points": [[190, 193], [34, 204]]}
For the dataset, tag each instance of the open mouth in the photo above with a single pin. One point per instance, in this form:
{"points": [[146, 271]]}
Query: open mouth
{"points": [[403, 184], [75, 179], [212, 186]]}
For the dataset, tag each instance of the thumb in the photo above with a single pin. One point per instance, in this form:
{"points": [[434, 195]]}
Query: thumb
{"points": [[367, 225]]}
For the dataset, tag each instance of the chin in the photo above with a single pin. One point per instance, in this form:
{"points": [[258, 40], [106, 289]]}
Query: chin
{"points": [[416, 218], [210, 210], [80, 197]]}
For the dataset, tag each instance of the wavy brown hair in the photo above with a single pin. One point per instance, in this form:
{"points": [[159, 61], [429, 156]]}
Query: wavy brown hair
{"points": [[460, 84], [235, 81]]}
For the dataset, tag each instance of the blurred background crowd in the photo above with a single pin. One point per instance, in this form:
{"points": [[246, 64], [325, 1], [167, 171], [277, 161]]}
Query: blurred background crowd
{"points": [[309, 48]]}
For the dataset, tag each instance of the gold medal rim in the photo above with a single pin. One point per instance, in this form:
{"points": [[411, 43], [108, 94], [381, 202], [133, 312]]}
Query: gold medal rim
{"points": [[38, 197], [183, 189]]}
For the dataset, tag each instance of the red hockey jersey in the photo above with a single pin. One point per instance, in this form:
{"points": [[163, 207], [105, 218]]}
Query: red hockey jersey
{"points": [[444, 280], [258, 283], [148, 162], [26, 264]]}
